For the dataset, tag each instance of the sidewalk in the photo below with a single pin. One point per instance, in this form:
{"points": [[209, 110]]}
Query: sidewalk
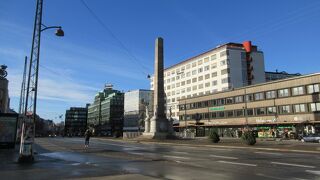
{"points": [[236, 143]]}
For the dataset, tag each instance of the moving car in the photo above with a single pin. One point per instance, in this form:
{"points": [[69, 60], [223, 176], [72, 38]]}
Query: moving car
{"points": [[311, 138]]}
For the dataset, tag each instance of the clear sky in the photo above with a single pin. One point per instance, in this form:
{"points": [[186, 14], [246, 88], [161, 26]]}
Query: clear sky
{"points": [[120, 48]]}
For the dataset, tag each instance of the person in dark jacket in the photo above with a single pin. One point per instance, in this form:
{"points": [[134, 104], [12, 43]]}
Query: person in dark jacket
{"points": [[87, 136]]}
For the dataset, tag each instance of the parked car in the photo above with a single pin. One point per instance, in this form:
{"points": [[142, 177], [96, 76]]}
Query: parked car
{"points": [[311, 138]]}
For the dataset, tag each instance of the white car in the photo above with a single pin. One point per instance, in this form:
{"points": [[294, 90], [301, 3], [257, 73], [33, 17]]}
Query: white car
{"points": [[311, 138]]}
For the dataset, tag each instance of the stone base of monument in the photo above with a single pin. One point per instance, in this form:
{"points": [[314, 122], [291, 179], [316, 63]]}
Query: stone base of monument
{"points": [[155, 135]]}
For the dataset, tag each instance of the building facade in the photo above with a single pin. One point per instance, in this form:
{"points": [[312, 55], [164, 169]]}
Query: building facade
{"points": [[283, 107], [76, 121], [105, 114], [4, 95], [135, 103], [272, 76], [223, 68]]}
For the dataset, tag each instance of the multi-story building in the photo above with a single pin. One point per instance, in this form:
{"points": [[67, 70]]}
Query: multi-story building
{"points": [[4, 95], [76, 121], [105, 114], [135, 103], [222, 68], [287, 106], [272, 76]]}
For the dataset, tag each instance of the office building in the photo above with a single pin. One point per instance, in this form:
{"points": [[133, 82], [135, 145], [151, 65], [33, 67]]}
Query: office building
{"points": [[272, 76], [76, 121], [135, 103], [222, 68], [286, 107], [105, 114]]}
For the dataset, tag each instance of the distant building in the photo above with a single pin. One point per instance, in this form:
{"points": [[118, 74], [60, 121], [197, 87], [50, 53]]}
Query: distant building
{"points": [[272, 76], [135, 103], [76, 121], [222, 68], [105, 114]]}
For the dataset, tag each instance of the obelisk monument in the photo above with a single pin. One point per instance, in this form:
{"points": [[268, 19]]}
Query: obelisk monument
{"points": [[158, 123]]}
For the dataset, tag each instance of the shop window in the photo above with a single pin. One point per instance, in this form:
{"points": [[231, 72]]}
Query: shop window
{"points": [[314, 107], [299, 108], [271, 110], [314, 88], [270, 94], [283, 92], [284, 109], [297, 91], [260, 111]]}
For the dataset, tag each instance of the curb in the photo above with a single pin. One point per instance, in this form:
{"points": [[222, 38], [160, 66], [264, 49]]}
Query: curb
{"points": [[212, 146]]}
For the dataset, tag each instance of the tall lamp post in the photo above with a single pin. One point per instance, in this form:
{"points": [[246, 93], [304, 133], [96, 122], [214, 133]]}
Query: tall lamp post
{"points": [[28, 127]]}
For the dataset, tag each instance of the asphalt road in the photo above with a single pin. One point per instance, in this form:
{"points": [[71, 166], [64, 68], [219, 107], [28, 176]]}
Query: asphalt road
{"points": [[59, 158]]}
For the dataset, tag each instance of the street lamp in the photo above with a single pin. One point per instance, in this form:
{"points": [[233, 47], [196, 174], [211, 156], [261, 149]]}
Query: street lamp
{"points": [[28, 129]]}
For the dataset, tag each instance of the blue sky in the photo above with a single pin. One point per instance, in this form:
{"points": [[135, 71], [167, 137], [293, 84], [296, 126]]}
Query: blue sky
{"points": [[75, 67]]}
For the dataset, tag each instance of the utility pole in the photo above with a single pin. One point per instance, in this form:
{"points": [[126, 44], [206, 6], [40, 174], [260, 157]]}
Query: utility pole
{"points": [[30, 115], [23, 88]]}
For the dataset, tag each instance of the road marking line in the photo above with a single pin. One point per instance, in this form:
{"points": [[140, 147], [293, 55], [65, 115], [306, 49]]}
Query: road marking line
{"points": [[177, 152], [261, 152], [297, 165], [313, 172], [244, 164], [224, 157], [176, 157]]}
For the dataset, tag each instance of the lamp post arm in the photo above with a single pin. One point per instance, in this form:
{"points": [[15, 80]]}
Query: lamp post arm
{"points": [[50, 27]]}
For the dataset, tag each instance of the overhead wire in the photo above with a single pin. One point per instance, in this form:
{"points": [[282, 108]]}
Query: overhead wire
{"points": [[122, 45]]}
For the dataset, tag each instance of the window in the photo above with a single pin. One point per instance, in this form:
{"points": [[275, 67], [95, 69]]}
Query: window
{"points": [[168, 87], [200, 86], [183, 91], [207, 85], [194, 72], [188, 89], [172, 79], [229, 100], [214, 83], [188, 74], [314, 107], [178, 85], [243, 55], [258, 96], [229, 113], [225, 71], [297, 91], [207, 68], [200, 62], [220, 114], [173, 86], [200, 78], [178, 77], [214, 74], [250, 112], [173, 100], [168, 73], [194, 88], [224, 53], [283, 92], [271, 110], [200, 70], [194, 80], [299, 108], [206, 59], [225, 80], [238, 99], [188, 66], [214, 65], [284, 109], [194, 64], [314, 88], [183, 83], [249, 97], [260, 111], [168, 80], [207, 76], [270, 94], [213, 57], [189, 81], [173, 93], [220, 102], [223, 62], [239, 112]]}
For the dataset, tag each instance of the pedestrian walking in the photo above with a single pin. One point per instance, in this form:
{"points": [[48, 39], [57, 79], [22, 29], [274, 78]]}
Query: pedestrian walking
{"points": [[87, 136]]}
